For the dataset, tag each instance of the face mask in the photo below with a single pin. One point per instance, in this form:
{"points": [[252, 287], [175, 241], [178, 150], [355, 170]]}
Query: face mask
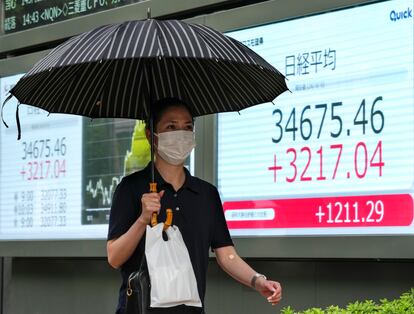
{"points": [[175, 146]]}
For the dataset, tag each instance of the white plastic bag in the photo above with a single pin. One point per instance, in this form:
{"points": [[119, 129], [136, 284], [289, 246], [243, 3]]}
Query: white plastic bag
{"points": [[171, 274]]}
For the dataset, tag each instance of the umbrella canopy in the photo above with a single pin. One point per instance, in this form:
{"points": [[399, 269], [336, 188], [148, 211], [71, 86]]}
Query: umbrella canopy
{"points": [[119, 70]]}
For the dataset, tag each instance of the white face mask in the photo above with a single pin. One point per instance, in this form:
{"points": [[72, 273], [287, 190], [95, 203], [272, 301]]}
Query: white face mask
{"points": [[175, 146]]}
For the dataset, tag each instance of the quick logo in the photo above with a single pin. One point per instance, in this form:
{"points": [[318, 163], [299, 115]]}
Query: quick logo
{"points": [[402, 15]]}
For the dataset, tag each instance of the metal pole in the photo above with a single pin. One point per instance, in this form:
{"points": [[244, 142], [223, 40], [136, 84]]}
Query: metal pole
{"points": [[152, 148]]}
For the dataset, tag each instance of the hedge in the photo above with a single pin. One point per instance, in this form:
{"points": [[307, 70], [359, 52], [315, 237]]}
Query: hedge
{"points": [[403, 305]]}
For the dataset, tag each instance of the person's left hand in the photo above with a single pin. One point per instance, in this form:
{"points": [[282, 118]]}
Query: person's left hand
{"points": [[271, 290]]}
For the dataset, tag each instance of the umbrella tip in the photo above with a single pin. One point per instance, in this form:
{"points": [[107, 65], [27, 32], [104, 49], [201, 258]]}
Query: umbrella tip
{"points": [[148, 13]]}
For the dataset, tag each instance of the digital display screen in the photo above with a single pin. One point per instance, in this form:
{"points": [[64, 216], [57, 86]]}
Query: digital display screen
{"points": [[25, 14], [336, 155], [57, 182]]}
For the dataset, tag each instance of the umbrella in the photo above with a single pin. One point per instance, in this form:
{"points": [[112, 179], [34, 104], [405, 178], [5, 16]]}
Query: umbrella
{"points": [[119, 70]]}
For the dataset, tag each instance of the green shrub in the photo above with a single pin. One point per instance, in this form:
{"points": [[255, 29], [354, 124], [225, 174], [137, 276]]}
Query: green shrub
{"points": [[403, 305]]}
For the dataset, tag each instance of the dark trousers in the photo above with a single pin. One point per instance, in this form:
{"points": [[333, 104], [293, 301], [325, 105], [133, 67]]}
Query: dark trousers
{"points": [[181, 309]]}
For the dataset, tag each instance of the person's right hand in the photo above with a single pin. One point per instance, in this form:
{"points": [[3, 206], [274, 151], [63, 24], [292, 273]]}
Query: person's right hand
{"points": [[151, 203]]}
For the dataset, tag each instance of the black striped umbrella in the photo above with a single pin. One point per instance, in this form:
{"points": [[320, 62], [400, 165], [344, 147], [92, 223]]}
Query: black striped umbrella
{"points": [[119, 70]]}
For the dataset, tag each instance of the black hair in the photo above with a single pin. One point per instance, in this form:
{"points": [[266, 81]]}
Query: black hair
{"points": [[160, 106]]}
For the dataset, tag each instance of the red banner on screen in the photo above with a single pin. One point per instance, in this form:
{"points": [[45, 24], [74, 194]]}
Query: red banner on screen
{"points": [[332, 212]]}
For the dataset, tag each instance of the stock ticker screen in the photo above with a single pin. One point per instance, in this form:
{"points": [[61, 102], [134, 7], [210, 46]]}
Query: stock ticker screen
{"points": [[59, 179], [335, 156], [25, 14]]}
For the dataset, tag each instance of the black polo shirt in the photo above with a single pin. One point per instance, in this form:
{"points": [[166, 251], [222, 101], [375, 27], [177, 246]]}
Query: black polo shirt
{"points": [[198, 213]]}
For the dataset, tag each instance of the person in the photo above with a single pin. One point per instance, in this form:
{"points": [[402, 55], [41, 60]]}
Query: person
{"points": [[197, 208]]}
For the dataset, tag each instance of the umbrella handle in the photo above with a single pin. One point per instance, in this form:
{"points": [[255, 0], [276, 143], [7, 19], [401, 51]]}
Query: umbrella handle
{"points": [[154, 219], [168, 221], [154, 216]]}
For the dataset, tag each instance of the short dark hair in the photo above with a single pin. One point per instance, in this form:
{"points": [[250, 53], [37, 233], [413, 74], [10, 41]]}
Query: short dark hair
{"points": [[160, 106]]}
